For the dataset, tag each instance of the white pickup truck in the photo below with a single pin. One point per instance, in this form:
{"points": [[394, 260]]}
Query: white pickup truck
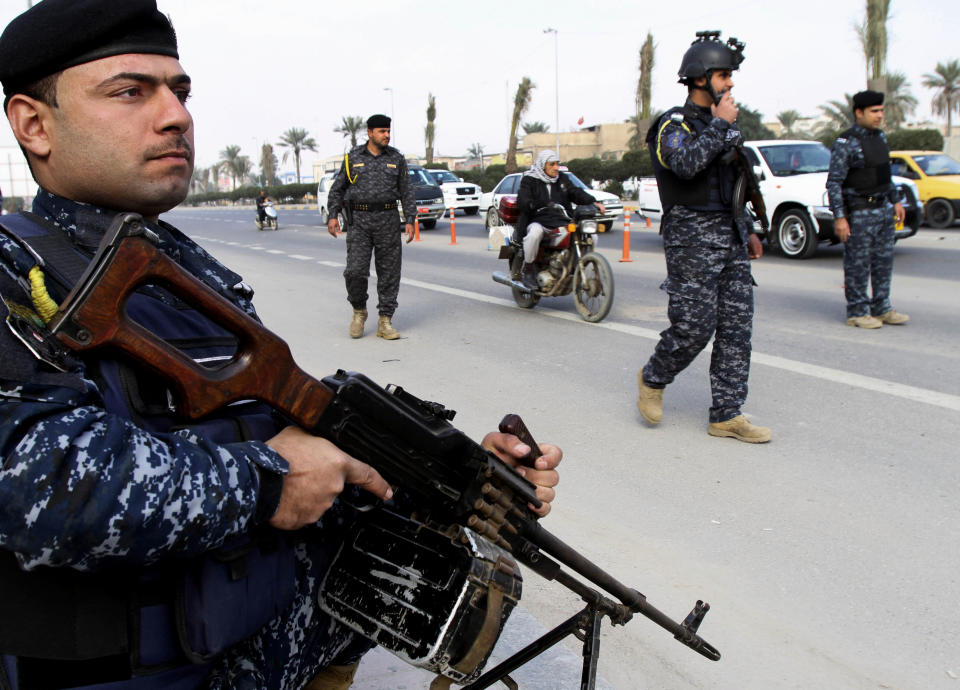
{"points": [[793, 181]]}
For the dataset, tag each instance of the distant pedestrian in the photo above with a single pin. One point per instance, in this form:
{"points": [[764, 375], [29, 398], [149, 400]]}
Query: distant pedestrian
{"points": [[372, 177], [865, 204], [707, 249]]}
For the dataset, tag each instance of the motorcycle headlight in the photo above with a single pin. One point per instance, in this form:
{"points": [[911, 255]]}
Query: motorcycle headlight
{"points": [[589, 226]]}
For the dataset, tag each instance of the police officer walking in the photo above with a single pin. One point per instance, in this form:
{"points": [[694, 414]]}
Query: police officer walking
{"points": [[372, 177], [865, 204], [707, 241]]}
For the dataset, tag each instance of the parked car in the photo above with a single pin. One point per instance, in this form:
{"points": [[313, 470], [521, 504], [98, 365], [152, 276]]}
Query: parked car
{"points": [[509, 185], [457, 193], [793, 181], [937, 176], [428, 196]]}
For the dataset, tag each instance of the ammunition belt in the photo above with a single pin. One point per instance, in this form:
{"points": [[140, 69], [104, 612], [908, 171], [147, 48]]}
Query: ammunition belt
{"points": [[373, 205]]}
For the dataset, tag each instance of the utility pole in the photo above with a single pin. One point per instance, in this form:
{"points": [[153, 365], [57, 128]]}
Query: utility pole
{"points": [[556, 77]]}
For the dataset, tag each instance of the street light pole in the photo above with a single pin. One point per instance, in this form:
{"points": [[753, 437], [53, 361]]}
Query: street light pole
{"points": [[556, 77], [393, 127]]}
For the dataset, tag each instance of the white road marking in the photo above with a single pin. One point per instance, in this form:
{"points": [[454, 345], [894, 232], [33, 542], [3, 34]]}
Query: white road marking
{"points": [[912, 393], [301, 257]]}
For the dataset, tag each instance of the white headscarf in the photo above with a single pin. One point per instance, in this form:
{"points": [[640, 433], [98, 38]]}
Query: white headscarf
{"points": [[537, 171]]}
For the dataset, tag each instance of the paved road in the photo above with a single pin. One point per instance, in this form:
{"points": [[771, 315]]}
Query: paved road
{"points": [[829, 556]]}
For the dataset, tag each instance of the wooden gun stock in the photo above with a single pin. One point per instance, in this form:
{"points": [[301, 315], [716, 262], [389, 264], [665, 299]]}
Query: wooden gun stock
{"points": [[94, 316]]}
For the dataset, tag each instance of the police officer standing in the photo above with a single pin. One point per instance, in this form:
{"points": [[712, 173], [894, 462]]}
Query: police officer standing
{"points": [[372, 177], [707, 241], [865, 204]]}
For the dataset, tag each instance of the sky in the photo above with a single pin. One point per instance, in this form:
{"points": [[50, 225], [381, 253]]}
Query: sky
{"points": [[260, 68]]}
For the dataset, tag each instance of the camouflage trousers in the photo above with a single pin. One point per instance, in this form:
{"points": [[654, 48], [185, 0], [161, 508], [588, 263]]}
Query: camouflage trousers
{"points": [[376, 233], [868, 260], [710, 294]]}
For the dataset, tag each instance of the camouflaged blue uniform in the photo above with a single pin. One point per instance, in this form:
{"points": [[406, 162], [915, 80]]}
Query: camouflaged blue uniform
{"points": [[85, 487], [372, 180], [868, 252], [709, 283]]}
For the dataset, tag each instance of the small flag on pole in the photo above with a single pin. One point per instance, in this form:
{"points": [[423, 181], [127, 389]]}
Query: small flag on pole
{"points": [[580, 121]]}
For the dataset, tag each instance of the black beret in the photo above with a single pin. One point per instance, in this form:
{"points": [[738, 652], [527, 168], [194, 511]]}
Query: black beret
{"points": [[867, 99], [56, 34], [378, 121]]}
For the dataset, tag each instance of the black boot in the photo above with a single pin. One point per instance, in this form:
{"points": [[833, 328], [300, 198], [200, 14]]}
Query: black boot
{"points": [[528, 276]]}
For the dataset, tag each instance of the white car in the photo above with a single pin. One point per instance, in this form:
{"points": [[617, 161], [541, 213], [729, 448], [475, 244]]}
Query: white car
{"points": [[457, 194], [323, 191], [510, 185], [793, 182]]}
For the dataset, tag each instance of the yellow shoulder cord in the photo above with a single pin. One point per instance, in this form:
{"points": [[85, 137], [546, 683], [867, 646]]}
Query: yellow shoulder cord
{"points": [[44, 304], [660, 134], [346, 165]]}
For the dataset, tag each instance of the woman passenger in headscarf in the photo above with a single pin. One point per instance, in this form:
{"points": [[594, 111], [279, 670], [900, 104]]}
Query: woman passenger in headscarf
{"points": [[540, 186]]}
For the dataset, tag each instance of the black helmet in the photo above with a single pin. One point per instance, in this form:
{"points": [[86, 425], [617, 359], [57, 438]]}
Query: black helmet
{"points": [[707, 54]]}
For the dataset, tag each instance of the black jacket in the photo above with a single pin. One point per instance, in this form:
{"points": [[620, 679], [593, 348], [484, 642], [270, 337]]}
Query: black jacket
{"points": [[534, 194]]}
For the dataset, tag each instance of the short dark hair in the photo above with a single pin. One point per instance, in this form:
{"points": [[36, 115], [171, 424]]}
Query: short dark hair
{"points": [[43, 90]]}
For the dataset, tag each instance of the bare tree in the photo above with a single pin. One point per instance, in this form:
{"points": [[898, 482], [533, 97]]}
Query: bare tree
{"points": [[520, 104], [645, 83], [430, 131]]}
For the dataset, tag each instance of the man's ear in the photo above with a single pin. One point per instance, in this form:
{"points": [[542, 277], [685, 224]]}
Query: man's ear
{"points": [[31, 121]]}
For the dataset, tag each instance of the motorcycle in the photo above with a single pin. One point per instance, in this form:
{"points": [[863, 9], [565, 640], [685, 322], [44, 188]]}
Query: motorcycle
{"points": [[565, 263], [270, 218]]}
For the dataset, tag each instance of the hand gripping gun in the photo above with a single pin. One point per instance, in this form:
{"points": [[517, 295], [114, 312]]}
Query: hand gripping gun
{"points": [[453, 496]]}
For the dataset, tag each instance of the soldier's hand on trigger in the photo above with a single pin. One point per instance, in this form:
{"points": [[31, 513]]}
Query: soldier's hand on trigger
{"points": [[333, 227], [319, 471], [726, 109], [841, 228], [408, 230], [899, 212]]}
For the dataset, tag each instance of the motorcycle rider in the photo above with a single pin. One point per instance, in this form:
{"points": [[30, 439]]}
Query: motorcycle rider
{"points": [[544, 184], [262, 202]]}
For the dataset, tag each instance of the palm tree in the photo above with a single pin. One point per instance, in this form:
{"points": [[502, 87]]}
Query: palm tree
{"points": [[476, 151], [838, 116], [240, 168], [873, 37], [228, 159], [429, 131], [899, 102], [946, 99], [297, 140], [787, 119], [268, 164], [535, 127], [350, 126], [645, 83], [520, 104]]}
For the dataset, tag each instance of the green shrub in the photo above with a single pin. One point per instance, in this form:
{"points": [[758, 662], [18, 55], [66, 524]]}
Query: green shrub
{"points": [[915, 140]]}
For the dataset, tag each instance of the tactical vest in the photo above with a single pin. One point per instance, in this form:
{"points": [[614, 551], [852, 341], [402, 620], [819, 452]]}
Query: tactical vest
{"points": [[874, 177], [156, 627], [709, 190]]}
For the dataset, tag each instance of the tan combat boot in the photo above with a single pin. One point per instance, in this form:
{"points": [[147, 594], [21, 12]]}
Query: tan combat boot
{"points": [[649, 401], [864, 322], [892, 317], [356, 323], [386, 330], [741, 429], [333, 678]]}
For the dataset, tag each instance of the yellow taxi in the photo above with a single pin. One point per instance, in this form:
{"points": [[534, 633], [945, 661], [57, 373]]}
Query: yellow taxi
{"points": [[937, 176]]}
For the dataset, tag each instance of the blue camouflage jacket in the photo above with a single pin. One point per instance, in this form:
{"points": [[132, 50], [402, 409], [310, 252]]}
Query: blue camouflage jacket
{"points": [[82, 484]]}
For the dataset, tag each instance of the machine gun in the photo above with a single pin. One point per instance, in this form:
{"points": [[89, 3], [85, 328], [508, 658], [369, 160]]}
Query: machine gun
{"points": [[452, 492], [747, 188]]}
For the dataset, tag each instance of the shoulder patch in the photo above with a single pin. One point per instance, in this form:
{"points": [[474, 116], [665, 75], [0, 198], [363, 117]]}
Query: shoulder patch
{"points": [[675, 139]]}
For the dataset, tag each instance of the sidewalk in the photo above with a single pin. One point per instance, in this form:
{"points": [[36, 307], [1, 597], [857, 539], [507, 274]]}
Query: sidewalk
{"points": [[557, 668]]}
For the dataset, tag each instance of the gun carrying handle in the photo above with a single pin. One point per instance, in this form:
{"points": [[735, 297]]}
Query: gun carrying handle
{"points": [[513, 424], [100, 319]]}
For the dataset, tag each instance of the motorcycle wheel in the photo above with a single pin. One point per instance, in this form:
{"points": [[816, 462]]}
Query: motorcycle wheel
{"points": [[593, 287], [527, 300]]}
